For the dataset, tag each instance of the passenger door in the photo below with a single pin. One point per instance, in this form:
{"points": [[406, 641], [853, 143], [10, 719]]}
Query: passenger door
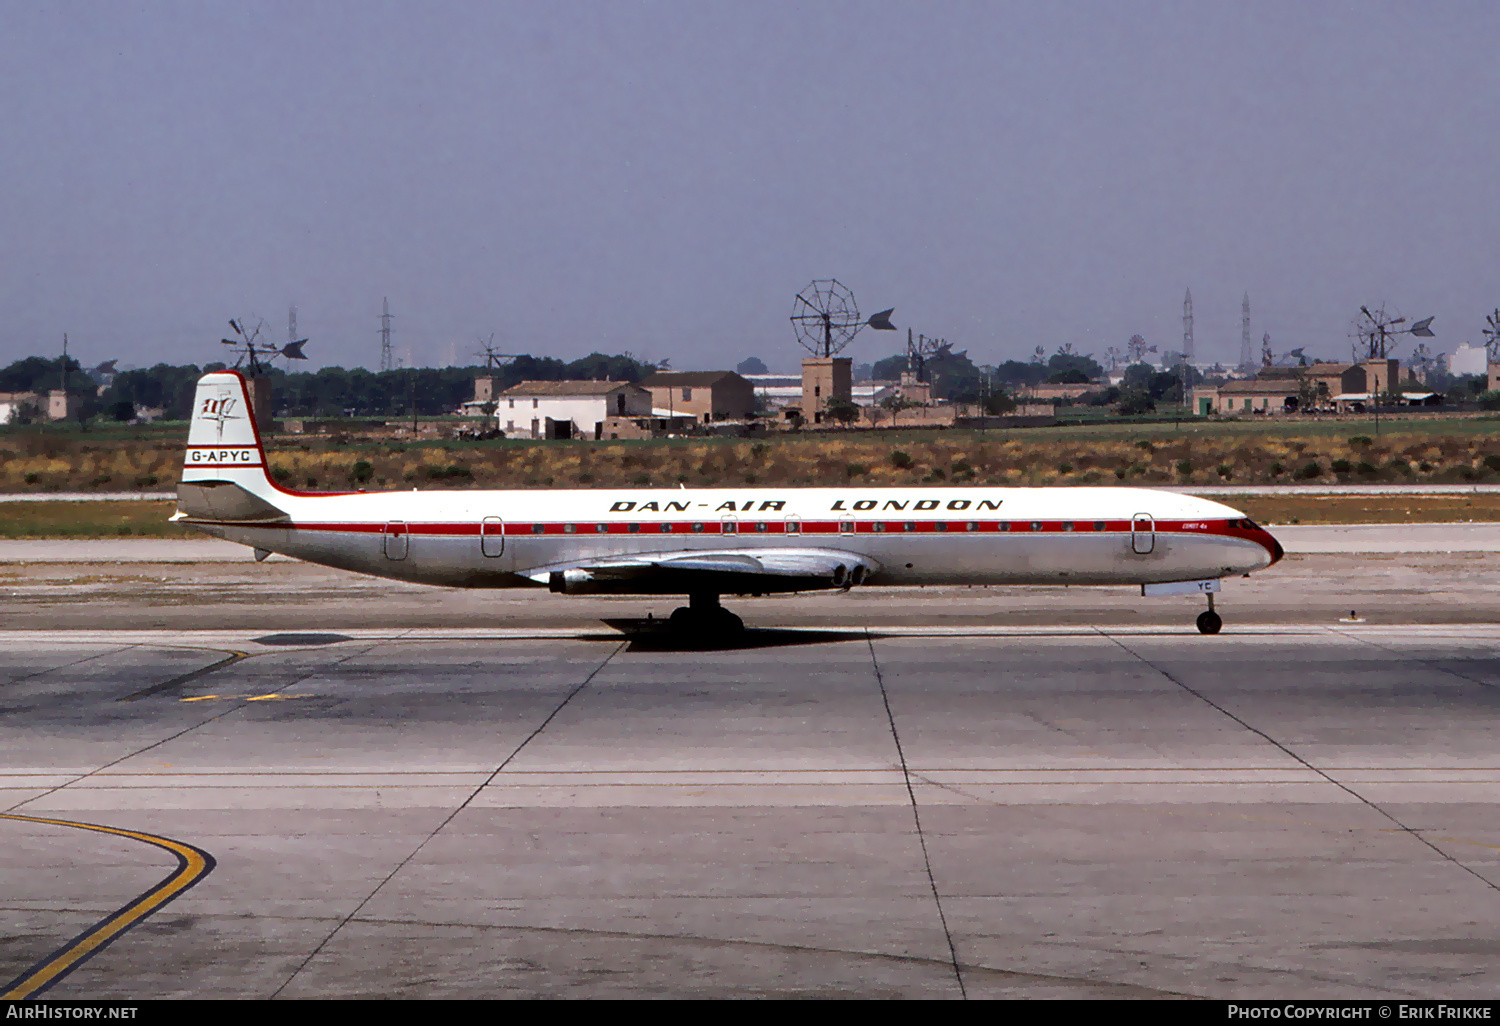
{"points": [[492, 537]]}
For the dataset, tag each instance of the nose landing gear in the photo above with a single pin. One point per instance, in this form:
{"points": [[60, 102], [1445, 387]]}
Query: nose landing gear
{"points": [[1209, 621]]}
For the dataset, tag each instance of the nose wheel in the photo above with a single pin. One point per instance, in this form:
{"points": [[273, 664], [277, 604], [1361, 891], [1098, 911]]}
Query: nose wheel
{"points": [[1209, 621]]}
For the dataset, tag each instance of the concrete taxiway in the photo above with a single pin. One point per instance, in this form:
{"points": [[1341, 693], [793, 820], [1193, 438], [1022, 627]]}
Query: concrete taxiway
{"points": [[984, 811], [304, 783]]}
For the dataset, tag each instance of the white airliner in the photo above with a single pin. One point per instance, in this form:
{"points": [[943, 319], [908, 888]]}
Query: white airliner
{"points": [[703, 542]]}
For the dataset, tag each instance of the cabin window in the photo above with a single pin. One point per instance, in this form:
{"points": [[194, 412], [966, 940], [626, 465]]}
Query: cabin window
{"points": [[762, 526], [879, 525], [972, 525], [1036, 525], [698, 527], [846, 527], [793, 527], [666, 528], [1068, 525], [569, 528], [1098, 525], [601, 528], [538, 528], [634, 528], [941, 525], [1005, 525], [908, 526]]}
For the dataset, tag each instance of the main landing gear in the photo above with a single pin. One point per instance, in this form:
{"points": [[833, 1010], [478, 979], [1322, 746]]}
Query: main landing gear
{"points": [[703, 615], [1209, 621]]}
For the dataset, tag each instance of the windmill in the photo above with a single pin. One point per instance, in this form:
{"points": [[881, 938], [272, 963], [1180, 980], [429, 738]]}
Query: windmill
{"points": [[1378, 333], [826, 318], [493, 360], [256, 356], [1492, 338], [1136, 349]]}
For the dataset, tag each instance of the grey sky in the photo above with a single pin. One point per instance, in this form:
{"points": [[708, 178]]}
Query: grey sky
{"points": [[664, 177]]}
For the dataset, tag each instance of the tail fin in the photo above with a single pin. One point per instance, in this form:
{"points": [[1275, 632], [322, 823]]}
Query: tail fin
{"points": [[224, 473]]}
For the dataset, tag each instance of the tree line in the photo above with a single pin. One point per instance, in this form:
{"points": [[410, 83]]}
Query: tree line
{"points": [[327, 392]]}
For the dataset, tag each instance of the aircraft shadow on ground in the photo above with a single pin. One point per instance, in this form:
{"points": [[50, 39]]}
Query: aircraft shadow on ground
{"points": [[657, 636], [300, 639]]}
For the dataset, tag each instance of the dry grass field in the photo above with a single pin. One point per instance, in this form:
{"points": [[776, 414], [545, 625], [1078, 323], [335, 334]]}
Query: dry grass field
{"points": [[1251, 453]]}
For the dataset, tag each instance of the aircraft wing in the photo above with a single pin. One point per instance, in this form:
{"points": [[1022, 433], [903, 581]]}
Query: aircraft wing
{"points": [[729, 571]]}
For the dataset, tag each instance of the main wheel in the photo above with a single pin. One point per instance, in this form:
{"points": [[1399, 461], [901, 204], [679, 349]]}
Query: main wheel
{"points": [[1209, 622]]}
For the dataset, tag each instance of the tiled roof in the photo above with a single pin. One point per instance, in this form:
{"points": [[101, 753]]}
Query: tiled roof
{"points": [[565, 388], [691, 379]]}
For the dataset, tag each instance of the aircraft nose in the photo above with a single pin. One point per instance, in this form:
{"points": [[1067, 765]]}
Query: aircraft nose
{"points": [[1272, 546]]}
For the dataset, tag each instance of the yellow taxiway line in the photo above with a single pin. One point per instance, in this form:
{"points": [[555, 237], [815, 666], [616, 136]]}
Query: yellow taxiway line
{"points": [[193, 864]]}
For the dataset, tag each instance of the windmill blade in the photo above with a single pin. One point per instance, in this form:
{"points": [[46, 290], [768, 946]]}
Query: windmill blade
{"points": [[236, 328], [882, 320], [1423, 328], [293, 350]]}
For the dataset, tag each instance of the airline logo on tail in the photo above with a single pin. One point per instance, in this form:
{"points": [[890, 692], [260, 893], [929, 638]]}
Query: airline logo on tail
{"points": [[219, 410]]}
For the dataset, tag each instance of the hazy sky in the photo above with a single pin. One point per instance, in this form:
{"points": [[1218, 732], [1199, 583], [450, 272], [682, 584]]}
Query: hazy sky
{"points": [[664, 177]]}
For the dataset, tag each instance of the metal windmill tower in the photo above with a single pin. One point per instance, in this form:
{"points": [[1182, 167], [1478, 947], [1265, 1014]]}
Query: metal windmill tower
{"points": [[387, 362], [1247, 359], [1187, 345]]}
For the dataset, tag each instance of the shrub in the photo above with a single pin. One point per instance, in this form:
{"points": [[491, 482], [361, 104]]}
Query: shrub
{"points": [[1363, 467], [1308, 471], [642, 479], [1224, 470], [585, 478], [855, 470], [312, 482], [150, 480], [1184, 467], [750, 479], [1492, 462], [1341, 466], [32, 477], [1359, 441], [1065, 467], [900, 459], [361, 472], [1425, 467], [1277, 469], [1145, 444], [1400, 466]]}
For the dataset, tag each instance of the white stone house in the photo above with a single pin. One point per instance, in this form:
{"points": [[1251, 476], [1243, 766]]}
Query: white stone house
{"points": [[567, 409]]}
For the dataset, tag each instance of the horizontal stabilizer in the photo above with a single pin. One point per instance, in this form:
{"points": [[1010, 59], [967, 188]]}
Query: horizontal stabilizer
{"points": [[226, 502]]}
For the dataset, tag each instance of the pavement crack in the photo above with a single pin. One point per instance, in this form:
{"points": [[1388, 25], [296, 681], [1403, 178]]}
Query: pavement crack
{"points": [[1402, 827], [916, 817], [451, 816]]}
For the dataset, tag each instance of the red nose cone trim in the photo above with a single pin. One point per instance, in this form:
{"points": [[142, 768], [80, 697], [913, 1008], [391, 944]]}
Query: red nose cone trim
{"points": [[1272, 546]]}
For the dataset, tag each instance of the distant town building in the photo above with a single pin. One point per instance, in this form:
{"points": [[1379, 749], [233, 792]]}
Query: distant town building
{"points": [[707, 396], [18, 406], [568, 409], [1467, 359]]}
